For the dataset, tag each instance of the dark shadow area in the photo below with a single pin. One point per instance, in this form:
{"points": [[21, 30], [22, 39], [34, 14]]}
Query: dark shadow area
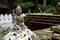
{"points": [[4, 11]]}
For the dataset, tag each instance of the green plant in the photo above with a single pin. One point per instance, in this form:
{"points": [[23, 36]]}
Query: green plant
{"points": [[5, 32], [50, 9], [25, 5], [47, 9]]}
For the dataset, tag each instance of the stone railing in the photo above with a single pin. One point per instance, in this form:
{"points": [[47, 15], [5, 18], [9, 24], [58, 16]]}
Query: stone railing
{"points": [[42, 20], [7, 18]]}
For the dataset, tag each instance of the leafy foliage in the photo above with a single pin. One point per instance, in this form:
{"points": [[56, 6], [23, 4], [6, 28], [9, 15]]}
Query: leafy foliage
{"points": [[5, 32], [29, 4], [47, 9], [26, 5], [51, 2]]}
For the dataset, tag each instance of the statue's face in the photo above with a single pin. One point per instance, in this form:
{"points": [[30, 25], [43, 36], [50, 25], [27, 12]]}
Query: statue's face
{"points": [[18, 13], [18, 10]]}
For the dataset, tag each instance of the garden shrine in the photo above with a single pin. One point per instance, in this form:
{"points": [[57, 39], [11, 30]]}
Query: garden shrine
{"points": [[44, 26]]}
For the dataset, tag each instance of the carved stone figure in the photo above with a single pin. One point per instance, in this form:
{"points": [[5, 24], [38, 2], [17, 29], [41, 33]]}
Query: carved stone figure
{"points": [[18, 19], [58, 5]]}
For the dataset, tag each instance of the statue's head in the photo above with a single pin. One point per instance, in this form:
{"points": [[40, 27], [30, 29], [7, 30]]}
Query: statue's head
{"points": [[18, 10]]}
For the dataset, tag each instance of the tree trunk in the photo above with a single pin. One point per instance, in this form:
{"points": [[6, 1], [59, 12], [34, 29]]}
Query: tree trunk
{"points": [[44, 1], [36, 3]]}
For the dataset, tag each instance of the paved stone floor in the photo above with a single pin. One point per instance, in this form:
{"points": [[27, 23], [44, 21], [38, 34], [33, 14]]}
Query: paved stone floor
{"points": [[48, 32]]}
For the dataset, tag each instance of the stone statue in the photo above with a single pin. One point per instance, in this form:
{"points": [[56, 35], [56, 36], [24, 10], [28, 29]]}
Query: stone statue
{"points": [[19, 27], [58, 5], [18, 19]]}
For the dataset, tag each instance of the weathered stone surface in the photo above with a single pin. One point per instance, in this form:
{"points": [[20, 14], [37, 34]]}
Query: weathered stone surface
{"points": [[56, 28]]}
